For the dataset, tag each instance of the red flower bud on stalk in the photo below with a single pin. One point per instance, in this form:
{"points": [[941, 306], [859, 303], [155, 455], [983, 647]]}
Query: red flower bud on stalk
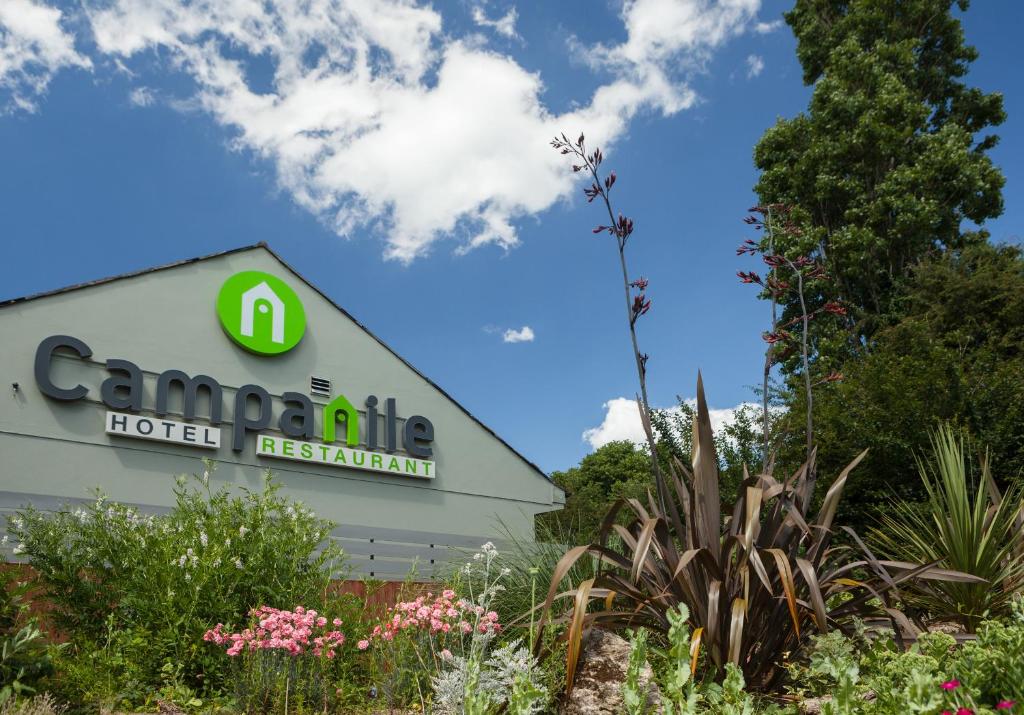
{"points": [[834, 307], [625, 227], [776, 337], [750, 277], [640, 306], [640, 283]]}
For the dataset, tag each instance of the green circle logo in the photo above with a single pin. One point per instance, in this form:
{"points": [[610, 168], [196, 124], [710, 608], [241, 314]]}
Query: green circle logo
{"points": [[261, 313]]}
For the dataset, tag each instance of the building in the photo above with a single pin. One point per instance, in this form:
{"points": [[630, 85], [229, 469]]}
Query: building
{"points": [[126, 382]]}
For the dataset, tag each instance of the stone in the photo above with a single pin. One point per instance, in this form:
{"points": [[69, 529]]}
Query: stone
{"points": [[600, 674]]}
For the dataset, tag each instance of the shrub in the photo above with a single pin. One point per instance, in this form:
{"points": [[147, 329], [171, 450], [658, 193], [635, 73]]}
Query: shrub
{"points": [[862, 676], [755, 582], [138, 591], [24, 657], [966, 525], [39, 705]]}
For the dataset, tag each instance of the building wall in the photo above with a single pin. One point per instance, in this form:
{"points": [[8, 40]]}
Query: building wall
{"points": [[166, 319]]}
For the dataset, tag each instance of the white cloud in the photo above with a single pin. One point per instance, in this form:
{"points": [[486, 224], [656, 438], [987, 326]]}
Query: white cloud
{"points": [[504, 25], [523, 335], [755, 66], [142, 97], [375, 118], [33, 47], [764, 28], [666, 40], [622, 422]]}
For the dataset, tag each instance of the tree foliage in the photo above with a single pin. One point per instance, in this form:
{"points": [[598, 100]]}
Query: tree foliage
{"points": [[889, 160], [617, 469], [953, 350]]}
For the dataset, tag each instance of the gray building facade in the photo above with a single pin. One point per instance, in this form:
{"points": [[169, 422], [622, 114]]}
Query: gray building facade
{"points": [[127, 382]]}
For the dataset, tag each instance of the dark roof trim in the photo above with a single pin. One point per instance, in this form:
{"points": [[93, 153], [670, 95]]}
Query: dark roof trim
{"points": [[144, 271], [268, 249]]}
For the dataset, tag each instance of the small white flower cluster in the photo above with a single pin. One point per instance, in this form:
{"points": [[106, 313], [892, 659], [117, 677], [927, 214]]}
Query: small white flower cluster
{"points": [[188, 558]]}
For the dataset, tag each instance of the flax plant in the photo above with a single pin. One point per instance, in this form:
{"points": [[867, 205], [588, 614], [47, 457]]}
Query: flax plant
{"points": [[965, 524], [637, 305], [758, 579]]}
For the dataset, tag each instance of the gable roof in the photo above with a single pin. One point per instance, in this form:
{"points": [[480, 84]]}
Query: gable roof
{"points": [[263, 245]]}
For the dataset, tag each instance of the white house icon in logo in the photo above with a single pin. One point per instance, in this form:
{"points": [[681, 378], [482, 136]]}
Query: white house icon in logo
{"points": [[262, 291]]}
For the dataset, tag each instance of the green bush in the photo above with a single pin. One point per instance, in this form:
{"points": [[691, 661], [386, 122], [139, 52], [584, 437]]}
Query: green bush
{"points": [[24, 657], [966, 525], [864, 676], [135, 593]]}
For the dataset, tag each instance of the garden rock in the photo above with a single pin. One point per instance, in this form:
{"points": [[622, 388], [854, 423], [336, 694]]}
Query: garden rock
{"points": [[812, 706], [600, 675]]}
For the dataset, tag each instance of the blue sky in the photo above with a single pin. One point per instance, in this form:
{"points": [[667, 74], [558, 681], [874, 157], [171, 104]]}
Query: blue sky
{"points": [[396, 152]]}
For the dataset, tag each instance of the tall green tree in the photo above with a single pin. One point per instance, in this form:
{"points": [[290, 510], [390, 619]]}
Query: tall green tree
{"points": [[891, 156]]}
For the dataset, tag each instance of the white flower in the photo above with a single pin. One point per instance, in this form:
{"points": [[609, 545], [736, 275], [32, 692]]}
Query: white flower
{"points": [[216, 562], [203, 539], [181, 561], [19, 549], [227, 541], [3, 541], [190, 552], [506, 571], [238, 563], [188, 576], [17, 522], [242, 531]]}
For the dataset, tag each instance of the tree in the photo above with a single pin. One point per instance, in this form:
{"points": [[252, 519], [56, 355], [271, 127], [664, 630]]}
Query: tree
{"points": [[887, 163], [738, 442], [617, 469], [952, 350]]}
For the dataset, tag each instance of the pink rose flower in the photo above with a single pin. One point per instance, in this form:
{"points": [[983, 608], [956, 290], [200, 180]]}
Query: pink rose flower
{"points": [[363, 644]]}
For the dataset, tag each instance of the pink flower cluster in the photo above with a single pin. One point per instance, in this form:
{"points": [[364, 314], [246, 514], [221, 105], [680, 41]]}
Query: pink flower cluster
{"points": [[294, 632], [436, 615]]}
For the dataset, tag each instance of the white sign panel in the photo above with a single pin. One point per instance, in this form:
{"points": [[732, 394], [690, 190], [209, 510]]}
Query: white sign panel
{"points": [[161, 430], [334, 456]]}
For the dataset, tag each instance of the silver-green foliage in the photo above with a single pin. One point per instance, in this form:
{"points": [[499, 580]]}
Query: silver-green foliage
{"points": [[482, 679]]}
